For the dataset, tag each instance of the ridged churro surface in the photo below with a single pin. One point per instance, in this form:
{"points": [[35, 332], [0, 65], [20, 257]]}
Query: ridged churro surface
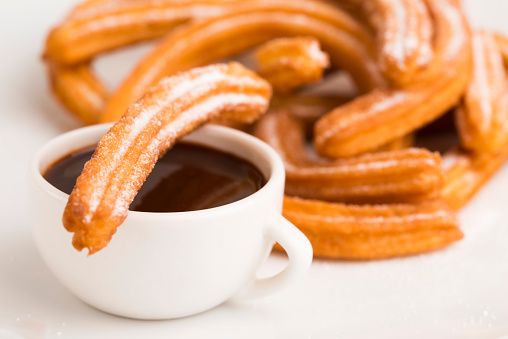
{"points": [[129, 150]]}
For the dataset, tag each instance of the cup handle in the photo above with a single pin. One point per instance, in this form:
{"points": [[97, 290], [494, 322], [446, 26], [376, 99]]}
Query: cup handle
{"points": [[299, 251]]}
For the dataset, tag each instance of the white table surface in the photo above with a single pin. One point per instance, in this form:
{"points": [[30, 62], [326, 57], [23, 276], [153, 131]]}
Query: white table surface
{"points": [[459, 292]]}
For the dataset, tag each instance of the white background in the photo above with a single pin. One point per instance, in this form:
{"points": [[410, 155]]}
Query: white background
{"points": [[460, 292]]}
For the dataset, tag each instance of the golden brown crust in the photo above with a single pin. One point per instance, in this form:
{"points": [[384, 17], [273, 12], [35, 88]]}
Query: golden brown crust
{"points": [[79, 91], [482, 121], [404, 32], [408, 175], [383, 115], [100, 26], [348, 44], [290, 63], [347, 38], [127, 153], [372, 231], [482, 116]]}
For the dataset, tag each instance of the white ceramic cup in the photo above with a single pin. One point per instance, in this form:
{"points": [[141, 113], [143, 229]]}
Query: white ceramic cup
{"points": [[169, 265]]}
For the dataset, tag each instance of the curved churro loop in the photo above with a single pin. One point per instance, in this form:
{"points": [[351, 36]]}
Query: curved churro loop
{"points": [[404, 34], [127, 153], [372, 231], [408, 175], [347, 43], [101, 26], [96, 27], [290, 63], [482, 117], [383, 115], [79, 91]]}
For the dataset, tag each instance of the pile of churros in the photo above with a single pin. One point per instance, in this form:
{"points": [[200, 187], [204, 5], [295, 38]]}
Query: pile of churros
{"points": [[356, 185]]}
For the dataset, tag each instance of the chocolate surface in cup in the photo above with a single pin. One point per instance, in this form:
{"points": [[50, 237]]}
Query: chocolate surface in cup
{"points": [[188, 177]]}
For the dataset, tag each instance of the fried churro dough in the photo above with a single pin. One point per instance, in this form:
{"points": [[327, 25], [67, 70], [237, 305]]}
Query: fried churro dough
{"points": [[126, 154], [403, 30], [95, 27], [466, 172], [409, 175], [100, 26], [347, 43], [290, 63], [372, 231], [79, 91], [482, 120], [309, 108], [383, 115], [482, 117]]}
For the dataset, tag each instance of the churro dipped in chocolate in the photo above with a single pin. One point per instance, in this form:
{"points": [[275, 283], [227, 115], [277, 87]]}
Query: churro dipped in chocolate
{"points": [[128, 152]]}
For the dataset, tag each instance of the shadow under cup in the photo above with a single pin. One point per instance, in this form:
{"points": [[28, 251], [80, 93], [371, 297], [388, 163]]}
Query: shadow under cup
{"points": [[169, 265]]}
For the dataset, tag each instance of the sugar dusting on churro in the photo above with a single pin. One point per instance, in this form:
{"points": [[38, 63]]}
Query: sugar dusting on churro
{"points": [[127, 153]]}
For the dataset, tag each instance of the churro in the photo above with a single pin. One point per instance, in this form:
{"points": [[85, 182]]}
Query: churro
{"points": [[79, 91], [482, 117], [407, 175], [290, 63], [127, 153], [347, 43], [372, 231], [403, 30], [383, 115], [101, 26]]}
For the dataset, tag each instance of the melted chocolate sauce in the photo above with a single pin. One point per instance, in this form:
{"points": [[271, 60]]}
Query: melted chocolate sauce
{"points": [[188, 177]]}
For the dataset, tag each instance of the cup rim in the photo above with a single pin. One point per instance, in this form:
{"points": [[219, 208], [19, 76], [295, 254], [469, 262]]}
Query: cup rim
{"points": [[276, 168]]}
